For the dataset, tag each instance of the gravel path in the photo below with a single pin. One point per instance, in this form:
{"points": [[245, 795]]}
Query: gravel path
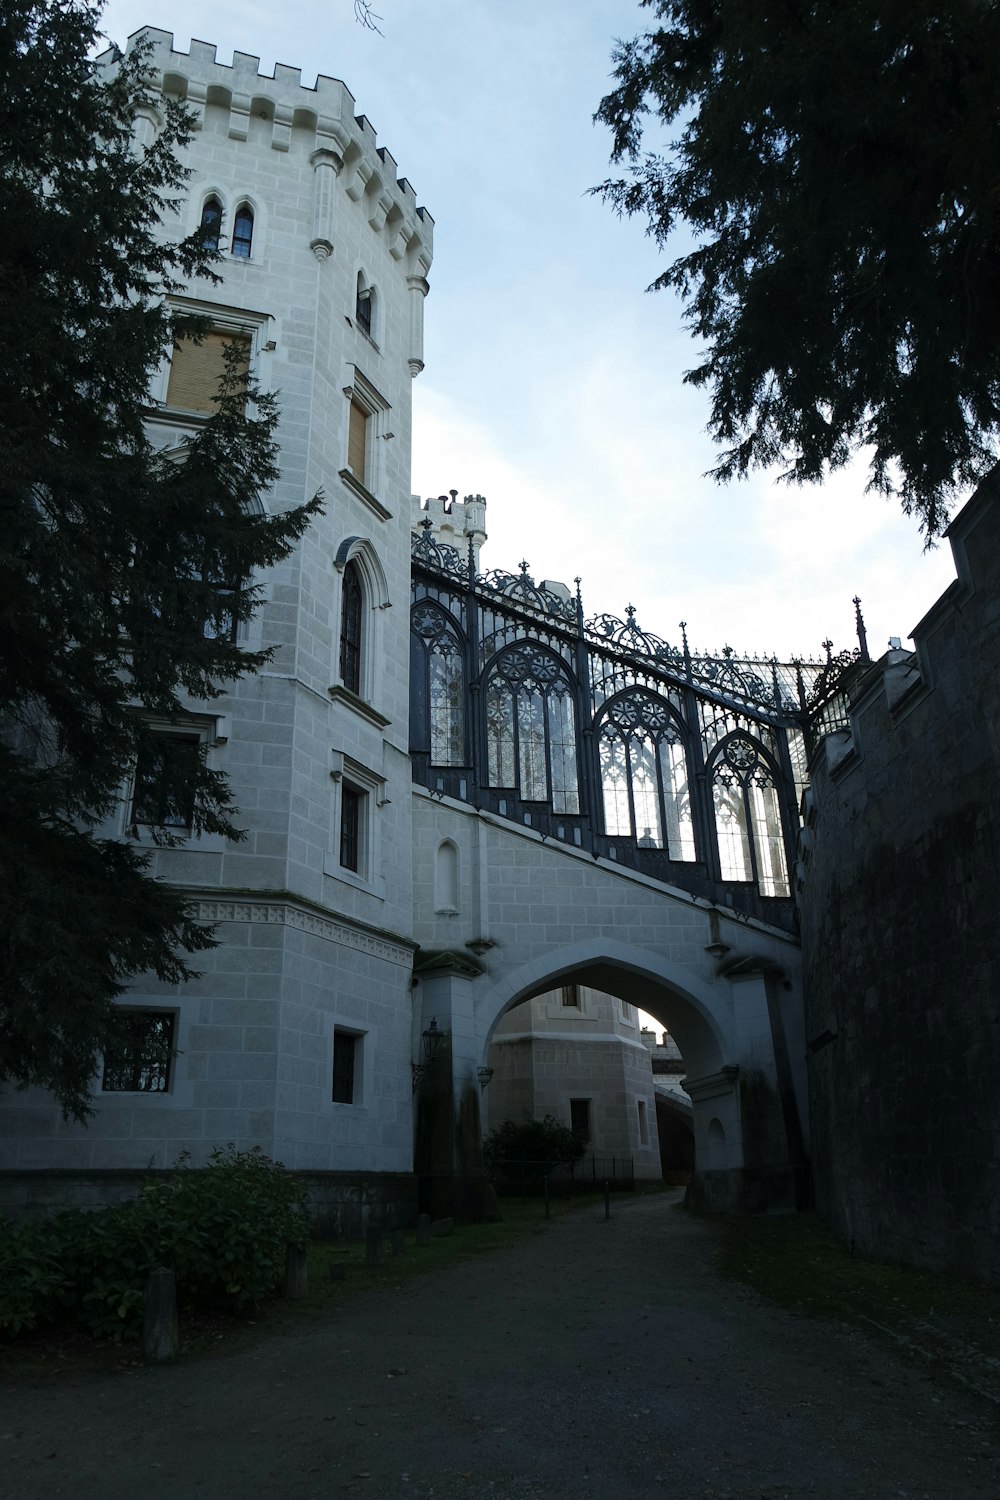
{"points": [[595, 1359]]}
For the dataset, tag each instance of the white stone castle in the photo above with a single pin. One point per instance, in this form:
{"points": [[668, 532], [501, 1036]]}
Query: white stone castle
{"points": [[426, 847]]}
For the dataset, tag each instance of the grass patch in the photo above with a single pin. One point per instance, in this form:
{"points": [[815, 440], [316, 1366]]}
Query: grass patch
{"points": [[337, 1273], [940, 1319]]}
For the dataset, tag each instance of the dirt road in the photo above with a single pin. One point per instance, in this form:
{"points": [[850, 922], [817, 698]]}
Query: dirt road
{"points": [[595, 1360]]}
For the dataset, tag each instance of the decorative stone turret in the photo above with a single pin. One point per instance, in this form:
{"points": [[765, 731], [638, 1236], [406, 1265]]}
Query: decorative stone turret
{"points": [[454, 523], [343, 145]]}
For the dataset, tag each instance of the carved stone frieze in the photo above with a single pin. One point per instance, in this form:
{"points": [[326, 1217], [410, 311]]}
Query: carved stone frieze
{"points": [[286, 914]]}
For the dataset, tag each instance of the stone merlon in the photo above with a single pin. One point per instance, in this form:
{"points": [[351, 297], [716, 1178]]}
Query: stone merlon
{"points": [[327, 108]]}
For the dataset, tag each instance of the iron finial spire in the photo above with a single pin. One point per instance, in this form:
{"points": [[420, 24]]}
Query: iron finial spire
{"points": [[859, 621]]}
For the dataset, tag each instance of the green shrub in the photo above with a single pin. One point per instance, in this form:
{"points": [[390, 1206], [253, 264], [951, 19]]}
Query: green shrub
{"points": [[223, 1230], [544, 1142], [35, 1282]]}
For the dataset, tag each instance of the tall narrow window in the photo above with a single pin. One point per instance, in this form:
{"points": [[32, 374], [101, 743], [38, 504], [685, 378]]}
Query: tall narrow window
{"points": [[644, 776], [437, 686], [351, 613], [531, 729], [748, 817], [211, 223], [352, 801], [357, 442], [571, 995], [579, 1118], [243, 232], [363, 307], [345, 1059]]}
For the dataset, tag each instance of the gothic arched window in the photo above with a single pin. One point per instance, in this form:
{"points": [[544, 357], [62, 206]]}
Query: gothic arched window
{"points": [[531, 728], [211, 222], [439, 685], [242, 232], [352, 601], [748, 816], [364, 307], [644, 776]]}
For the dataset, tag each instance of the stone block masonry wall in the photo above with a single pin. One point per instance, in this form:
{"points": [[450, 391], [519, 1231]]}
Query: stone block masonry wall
{"points": [[901, 939], [341, 1204]]}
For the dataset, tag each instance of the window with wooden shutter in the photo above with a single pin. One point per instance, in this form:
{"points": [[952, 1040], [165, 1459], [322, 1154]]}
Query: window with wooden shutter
{"points": [[197, 368], [357, 441]]}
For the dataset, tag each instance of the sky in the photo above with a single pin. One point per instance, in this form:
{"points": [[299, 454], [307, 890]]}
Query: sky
{"points": [[554, 382]]}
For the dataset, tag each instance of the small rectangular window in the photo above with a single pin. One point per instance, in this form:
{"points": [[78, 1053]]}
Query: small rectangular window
{"points": [[643, 1127], [164, 781], [345, 1058], [140, 1061], [357, 442], [579, 1118], [352, 803], [571, 995]]}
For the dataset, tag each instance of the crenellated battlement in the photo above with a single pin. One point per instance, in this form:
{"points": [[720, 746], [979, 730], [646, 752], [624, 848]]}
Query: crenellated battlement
{"points": [[452, 522], [325, 111]]}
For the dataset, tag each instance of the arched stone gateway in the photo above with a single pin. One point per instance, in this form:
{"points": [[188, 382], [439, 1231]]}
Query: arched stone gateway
{"points": [[624, 813], [535, 915]]}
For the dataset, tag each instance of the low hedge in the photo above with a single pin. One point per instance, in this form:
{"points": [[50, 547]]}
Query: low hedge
{"points": [[223, 1229]]}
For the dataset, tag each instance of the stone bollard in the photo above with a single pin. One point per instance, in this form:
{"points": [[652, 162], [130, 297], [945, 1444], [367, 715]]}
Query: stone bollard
{"points": [[424, 1229], [373, 1245], [296, 1272], [159, 1317], [396, 1242]]}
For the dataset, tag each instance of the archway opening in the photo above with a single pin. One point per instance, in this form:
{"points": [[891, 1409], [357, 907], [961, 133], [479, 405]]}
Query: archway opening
{"points": [[576, 1048]]}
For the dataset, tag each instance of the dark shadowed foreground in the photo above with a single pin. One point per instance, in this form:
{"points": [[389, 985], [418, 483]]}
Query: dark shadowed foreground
{"points": [[595, 1359]]}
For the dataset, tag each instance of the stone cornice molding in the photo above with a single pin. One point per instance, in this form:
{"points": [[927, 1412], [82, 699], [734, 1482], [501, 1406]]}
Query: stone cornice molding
{"points": [[291, 914]]}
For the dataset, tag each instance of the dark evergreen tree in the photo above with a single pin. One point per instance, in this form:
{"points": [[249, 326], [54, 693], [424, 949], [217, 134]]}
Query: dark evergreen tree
{"points": [[121, 571], [836, 165]]}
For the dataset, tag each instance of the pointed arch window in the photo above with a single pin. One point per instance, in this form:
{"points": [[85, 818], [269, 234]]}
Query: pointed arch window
{"points": [[748, 816], [352, 601], [531, 729], [211, 223], [243, 232], [364, 307], [644, 776], [439, 686]]}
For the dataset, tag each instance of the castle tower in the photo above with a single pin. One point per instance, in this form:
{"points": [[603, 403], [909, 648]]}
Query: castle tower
{"points": [[297, 1035]]}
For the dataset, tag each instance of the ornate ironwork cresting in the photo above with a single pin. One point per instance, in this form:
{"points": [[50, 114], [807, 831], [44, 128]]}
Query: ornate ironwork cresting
{"points": [[685, 765]]}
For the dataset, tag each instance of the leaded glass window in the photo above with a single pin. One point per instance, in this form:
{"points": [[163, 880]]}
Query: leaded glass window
{"points": [[211, 223], [531, 729], [243, 232], [748, 817], [442, 661], [351, 612], [644, 777]]}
